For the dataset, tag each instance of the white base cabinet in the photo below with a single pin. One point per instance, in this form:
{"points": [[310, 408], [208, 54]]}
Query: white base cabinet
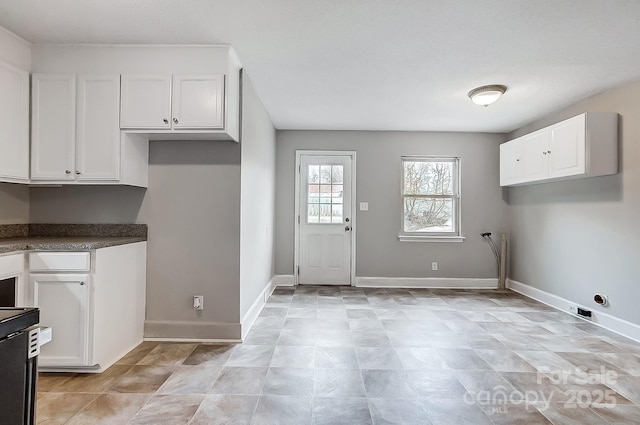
{"points": [[582, 146], [96, 315], [69, 324]]}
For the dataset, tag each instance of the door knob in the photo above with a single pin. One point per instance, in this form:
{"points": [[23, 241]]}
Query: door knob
{"points": [[67, 171], [346, 219], [175, 120], [347, 228], [166, 121]]}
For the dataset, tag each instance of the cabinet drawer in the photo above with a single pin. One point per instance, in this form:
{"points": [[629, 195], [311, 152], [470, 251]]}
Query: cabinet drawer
{"points": [[59, 261]]}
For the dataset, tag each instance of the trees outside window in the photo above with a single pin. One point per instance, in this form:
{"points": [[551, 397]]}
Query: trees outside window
{"points": [[430, 195]]}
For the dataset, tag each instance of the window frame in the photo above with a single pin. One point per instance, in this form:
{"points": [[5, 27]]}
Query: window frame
{"points": [[456, 199]]}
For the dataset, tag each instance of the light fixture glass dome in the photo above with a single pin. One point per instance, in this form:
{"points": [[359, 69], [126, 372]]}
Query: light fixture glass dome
{"points": [[486, 95]]}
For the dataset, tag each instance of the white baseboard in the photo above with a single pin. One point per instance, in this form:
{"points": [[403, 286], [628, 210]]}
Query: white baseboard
{"points": [[254, 311], [408, 282], [284, 280], [604, 320], [426, 282]]}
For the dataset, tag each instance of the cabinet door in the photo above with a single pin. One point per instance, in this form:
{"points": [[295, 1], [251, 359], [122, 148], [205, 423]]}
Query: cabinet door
{"points": [[98, 129], [566, 153], [53, 127], [198, 101], [511, 162], [145, 101], [63, 300], [14, 116], [534, 147]]}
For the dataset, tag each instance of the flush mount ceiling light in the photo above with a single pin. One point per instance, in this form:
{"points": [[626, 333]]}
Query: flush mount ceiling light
{"points": [[486, 95]]}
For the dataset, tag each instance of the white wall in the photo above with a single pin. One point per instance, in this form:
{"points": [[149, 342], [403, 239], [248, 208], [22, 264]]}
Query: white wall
{"points": [[14, 199], [257, 204], [576, 238], [379, 253]]}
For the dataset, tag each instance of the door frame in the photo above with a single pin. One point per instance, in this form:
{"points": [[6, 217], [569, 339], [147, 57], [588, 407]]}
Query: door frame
{"points": [[296, 216]]}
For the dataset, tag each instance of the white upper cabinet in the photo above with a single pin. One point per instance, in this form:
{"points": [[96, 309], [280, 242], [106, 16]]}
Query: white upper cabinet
{"points": [[53, 127], [98, 134], [14, 116], [146, 101], [198, 101], [582, 146], [180, 102], [76, 135]]}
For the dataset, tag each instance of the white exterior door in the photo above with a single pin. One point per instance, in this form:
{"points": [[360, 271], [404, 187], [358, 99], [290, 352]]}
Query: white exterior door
{"points": [[63, 300], [325, 219]]}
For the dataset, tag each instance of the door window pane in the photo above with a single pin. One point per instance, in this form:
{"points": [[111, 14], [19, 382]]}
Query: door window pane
{"points": [[314, 174], [325, 194]]}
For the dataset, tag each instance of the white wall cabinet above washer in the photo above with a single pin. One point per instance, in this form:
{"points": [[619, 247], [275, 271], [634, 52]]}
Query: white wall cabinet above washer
{"points": [[158, 102], [14, 116], [76, 133], [583, 146]]}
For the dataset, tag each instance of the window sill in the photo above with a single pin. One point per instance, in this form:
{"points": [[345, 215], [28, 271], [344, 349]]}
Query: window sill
{"points": [[421, 238]]}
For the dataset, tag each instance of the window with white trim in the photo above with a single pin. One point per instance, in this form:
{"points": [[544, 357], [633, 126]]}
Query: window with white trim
{"points": [[430, 198]]}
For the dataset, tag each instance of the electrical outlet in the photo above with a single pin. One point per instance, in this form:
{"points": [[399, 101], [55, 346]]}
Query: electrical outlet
{"points": [[434, 265], [198, 302]]}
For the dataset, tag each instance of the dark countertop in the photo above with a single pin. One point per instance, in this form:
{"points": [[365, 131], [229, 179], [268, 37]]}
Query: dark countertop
{"points": [[68, 237], [63, 243]]}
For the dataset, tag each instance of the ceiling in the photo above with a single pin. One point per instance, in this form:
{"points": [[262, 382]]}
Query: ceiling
{"points": [[377, 64]]}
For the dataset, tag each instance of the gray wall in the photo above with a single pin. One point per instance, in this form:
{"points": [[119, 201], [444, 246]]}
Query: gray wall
{"points": [[192, 208], [257, 179], [580, 237], [379, 253], [14, 203]]}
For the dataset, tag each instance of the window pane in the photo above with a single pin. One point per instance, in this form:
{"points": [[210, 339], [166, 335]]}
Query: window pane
{"points": [[336, 194], [336, 174], [313, 212], [325, 213], [314, 174], [428, 215], [314, 195], [336, 213], [325, 174], [325, 194], [428, 177]]}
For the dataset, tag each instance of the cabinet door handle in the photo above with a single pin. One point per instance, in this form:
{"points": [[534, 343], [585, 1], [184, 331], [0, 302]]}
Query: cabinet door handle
{"points": [[544, 153], [67, 172], [549, 152], [166, 121], [81, 283], [347, 228], [78, 173], [517, 159], [175, 120]]}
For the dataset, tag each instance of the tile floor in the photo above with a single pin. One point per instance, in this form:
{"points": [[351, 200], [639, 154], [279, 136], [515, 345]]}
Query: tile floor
{"points": [[341, 355]]}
